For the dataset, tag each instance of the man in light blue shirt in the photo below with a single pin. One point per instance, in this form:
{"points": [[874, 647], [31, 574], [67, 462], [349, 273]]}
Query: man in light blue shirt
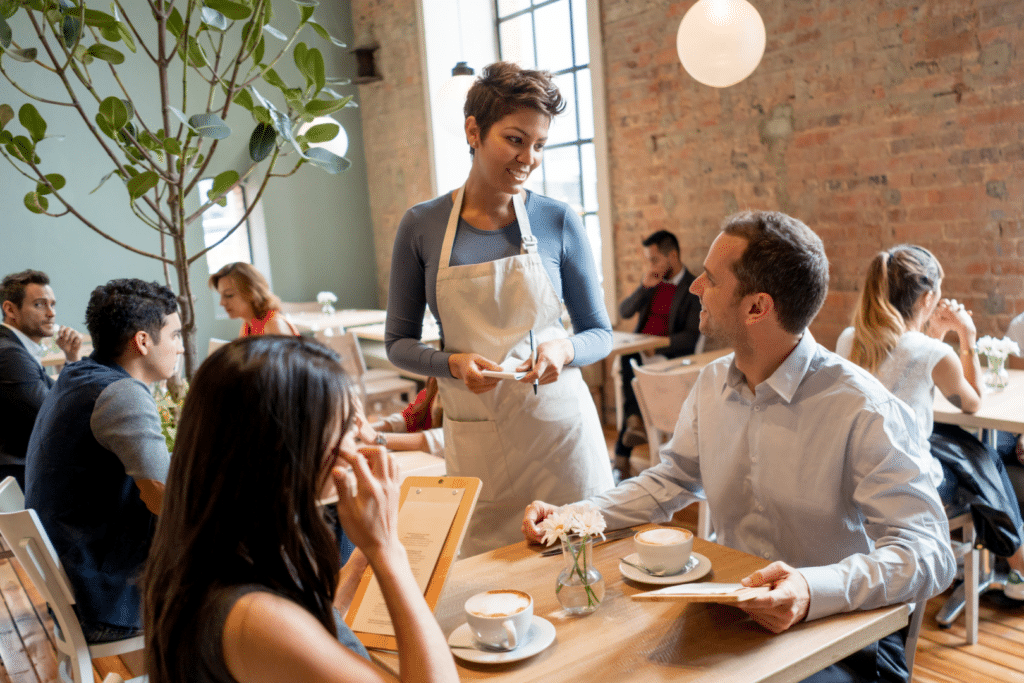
{"points": [[804, 459]]}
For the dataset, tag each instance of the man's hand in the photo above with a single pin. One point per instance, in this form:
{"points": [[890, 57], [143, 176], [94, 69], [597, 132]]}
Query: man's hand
{"points": [[70, 342], [534, 515], [785, 604]]}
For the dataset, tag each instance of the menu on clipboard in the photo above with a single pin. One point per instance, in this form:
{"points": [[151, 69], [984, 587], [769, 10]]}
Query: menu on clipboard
{"points": [[433, 514]]}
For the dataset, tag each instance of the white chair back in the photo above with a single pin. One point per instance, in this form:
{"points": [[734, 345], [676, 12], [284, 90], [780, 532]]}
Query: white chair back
{"points": [[25, 536], [346, 345], [214, 345]]}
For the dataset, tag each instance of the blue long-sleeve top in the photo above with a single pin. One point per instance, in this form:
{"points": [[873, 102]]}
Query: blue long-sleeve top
{"points": [[564, 250]]}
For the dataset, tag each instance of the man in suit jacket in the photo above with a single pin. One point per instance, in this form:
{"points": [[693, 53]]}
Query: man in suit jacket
{"points": [[28, 316], [666, 308]]}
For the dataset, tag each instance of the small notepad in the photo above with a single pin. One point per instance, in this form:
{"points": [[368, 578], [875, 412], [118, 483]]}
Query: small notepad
{"points": [[705, 592]]}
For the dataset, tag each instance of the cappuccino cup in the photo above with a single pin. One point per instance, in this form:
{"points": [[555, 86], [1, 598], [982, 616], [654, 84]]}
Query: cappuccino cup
{"points": [[500, 618], [664, 550]]}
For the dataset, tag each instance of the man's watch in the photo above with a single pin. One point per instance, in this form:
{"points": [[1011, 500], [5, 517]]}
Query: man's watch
{"points": [[381, 440]]}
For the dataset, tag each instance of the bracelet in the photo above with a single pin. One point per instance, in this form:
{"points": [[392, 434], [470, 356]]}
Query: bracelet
{"points": [[969, 352], [382, 440]]}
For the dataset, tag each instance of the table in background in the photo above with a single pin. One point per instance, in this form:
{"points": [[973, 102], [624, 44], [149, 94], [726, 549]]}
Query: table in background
{"points": [[623, 343], [1001, 409], [350, 317], [627, 640]]}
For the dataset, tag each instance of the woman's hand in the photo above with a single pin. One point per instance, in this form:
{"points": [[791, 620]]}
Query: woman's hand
{"points": [[552, 356], [467, 367], [369, 513], [364, 430], [951, 315]]}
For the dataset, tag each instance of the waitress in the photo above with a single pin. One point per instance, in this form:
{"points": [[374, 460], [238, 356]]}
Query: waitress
{"points": [[494, 263]]}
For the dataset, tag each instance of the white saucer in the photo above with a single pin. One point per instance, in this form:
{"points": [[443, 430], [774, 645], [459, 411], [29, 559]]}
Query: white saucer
{"points": [[699, 571], [540, 636]]}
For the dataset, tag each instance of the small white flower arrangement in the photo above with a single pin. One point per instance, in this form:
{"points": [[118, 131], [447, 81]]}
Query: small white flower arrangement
{"points": [[997, 348], [323, 298], [579, 518]]}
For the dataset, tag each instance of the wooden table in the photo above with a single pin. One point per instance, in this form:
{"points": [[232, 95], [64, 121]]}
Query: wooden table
{"points": [[628, 640], [349, 317], [1001, 409]]}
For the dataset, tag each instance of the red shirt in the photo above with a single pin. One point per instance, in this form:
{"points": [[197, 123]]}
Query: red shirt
{"points": [[657, 318]]}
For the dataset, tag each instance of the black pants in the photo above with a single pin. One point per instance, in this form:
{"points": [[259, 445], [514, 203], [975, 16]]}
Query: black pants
{"points": [[629, 403], [882, 661]]}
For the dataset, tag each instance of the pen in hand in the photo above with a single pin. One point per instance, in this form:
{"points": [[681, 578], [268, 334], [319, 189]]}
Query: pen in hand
{"points": [[533, 355]]}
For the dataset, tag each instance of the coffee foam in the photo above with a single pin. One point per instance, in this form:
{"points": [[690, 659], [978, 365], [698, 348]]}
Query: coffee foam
{"points": [[663, 536], [498, 603]]}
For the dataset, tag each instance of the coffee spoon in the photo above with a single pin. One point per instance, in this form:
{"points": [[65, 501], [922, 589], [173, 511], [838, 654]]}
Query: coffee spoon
{"points": [[642, 568]]}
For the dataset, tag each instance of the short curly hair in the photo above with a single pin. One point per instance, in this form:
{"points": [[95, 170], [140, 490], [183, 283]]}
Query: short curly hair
{"points": [[120, 308], [504, 87]]}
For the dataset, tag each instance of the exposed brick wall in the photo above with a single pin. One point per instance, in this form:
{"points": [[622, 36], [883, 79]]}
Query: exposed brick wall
{"points": [[395, 128], [875, 122]]}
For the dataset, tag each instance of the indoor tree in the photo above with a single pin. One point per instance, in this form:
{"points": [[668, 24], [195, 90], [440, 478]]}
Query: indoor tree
{"points": [[207, 56]]}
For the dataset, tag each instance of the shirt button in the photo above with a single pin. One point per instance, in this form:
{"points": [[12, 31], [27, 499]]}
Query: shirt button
{"points": [[757, 409], [753, 458], [760, 508], [767, 555]]}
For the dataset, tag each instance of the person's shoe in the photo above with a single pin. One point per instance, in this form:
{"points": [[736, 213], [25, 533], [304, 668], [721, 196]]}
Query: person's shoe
{"points": [[1014, 586], [635, 433]]}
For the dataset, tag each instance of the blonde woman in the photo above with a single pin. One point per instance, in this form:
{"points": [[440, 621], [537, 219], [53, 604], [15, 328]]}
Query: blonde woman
{"points": [[245, 294], [897, 336]]}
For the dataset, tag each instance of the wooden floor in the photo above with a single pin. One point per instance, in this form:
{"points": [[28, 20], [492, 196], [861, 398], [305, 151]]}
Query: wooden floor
{"points": [[27, 651]]}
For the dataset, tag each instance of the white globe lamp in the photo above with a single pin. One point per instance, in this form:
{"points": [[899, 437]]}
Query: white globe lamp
{"points": [[720, 42], [338, 145]]}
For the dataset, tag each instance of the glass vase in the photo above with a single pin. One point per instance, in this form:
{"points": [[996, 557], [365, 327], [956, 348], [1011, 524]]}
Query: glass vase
{"points": [[327, 309], [996, 376], [580, 587]]}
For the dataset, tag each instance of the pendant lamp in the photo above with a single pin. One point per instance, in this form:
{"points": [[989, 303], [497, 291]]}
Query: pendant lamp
{"points": [[720, 42], [453, 99]]}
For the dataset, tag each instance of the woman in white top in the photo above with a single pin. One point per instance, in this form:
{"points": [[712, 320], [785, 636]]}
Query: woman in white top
{"points": [[897, 336]]}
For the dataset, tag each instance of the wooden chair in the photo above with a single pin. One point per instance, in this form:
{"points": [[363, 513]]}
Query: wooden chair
{"points": [[913, 631], [660, 396], [25, 536], [376, 386], [301, 307]]}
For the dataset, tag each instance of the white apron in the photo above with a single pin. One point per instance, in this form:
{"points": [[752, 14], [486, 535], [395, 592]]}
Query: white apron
{"points": [[524, 447]]}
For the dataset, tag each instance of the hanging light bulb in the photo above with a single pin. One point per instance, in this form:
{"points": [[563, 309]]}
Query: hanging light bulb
{"points": [[720, 42], [338, 145], [453, 99]]}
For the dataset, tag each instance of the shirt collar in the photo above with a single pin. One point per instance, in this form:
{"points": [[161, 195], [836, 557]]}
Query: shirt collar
{"points": [[787, 377], [677, 278], [37, 350]]}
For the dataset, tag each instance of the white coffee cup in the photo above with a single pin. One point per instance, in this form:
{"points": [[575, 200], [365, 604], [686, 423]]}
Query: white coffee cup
{"points": [[664, 550], [500, 618]]}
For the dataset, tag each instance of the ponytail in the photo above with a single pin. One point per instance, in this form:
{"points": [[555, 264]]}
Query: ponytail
{"points": [[877, 325]]}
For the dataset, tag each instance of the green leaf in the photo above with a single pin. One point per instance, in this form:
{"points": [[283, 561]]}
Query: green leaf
{"points": [[324, 107], [70, 29], [230, 9], [257, 53], [262, 115], [306, 11], [56, 179], [214, 19], [98, 19], [33, 122], [5, 34], [244, 99], [142, 183], [209, 126], [174, 23], [222, 183], [36, 203], [115, 112], [5, 137], [274, 32], [196, 56], [261, 142], [273, 79], [181, 117], [104, 125], [6, 114], [315, 68], [110, 33], [26, 55], [130, 108], [299, 55], [151, 143], [328, 161], [8, 8], [106, 53], [322, 132], [126, 36], [172, 146], [324, 34]]}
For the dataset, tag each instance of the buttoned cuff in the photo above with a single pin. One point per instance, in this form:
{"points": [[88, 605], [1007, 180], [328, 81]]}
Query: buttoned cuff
{"points": [[828, 591]]}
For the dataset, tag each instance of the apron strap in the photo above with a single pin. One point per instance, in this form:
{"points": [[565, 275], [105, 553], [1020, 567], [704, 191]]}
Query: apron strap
{"points": [[529, 243]]}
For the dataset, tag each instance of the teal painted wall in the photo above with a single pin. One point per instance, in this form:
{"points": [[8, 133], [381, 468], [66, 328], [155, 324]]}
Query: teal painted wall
{"points": [[319, 231]]}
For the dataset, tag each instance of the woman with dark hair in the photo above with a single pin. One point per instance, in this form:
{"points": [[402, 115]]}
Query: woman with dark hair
{"points": [[245, 294], [495, 262], [243, 581], [897, 336]]}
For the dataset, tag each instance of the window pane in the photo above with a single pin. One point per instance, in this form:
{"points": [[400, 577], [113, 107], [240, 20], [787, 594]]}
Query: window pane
{"points": [[580, 37], [507, 7], [586, 100], [554, 40], [593, 227], [216, 223], [517, 41], [563, 128], [562, 176], [589, 166]]}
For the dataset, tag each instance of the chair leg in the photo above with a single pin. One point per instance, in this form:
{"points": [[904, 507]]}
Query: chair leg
{"points": [[972, 596]]}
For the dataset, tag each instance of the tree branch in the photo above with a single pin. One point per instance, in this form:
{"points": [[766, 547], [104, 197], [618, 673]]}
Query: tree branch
{"points": [[138, 37]]}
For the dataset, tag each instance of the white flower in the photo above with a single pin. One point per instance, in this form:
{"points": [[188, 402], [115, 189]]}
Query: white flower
{"points": [[587, 520], [579, 518], [326, 298], [999, 348], [554, 526]]}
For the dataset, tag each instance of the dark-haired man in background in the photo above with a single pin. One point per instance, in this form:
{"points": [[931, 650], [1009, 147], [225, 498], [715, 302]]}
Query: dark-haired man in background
{"points": [[29, 312], [667, 309], [97, 459]]}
